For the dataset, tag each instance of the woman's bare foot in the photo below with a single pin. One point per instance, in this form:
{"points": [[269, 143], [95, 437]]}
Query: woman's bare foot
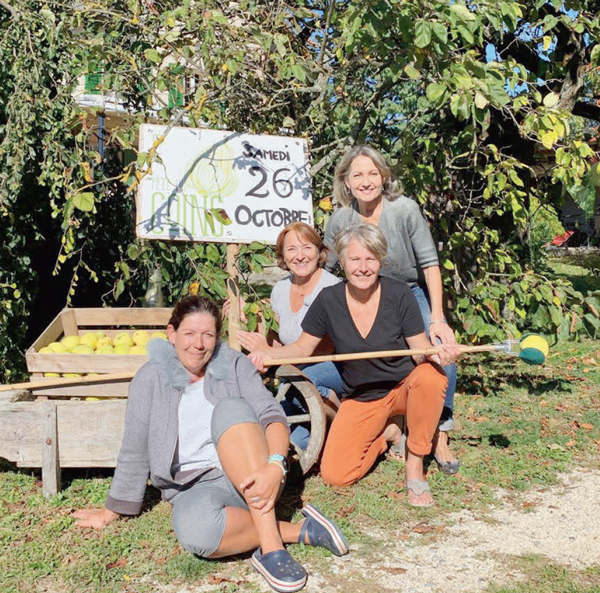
{"points": [[418, 489], [394, 435]]}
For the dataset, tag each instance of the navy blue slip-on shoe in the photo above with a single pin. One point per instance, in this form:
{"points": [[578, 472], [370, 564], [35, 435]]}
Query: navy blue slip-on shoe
{"points": [[322, 531], [282, 572]]}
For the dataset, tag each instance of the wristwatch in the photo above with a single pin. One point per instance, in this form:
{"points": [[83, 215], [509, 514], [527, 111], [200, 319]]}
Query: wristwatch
{"points": [[281, 461]]}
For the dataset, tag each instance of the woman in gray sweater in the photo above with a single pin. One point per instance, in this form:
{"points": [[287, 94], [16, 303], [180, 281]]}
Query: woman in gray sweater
{"points": [[202, 426], [365, 188]]}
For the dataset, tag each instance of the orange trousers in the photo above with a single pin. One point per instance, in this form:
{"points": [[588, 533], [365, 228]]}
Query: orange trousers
{"points": [[356, 435]]}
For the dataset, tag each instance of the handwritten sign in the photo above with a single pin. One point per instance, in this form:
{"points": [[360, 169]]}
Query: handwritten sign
{"points": [[212, 185]]}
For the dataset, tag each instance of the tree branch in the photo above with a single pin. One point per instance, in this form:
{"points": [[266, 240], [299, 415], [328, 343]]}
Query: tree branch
{"points": [[7, 6]]}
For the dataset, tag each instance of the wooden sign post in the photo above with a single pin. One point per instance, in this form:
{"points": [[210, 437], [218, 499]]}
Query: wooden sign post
{"points": [[233, 294]]}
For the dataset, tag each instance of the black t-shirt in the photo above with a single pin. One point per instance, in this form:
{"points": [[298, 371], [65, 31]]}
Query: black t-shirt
{"points": [[398, 317]]}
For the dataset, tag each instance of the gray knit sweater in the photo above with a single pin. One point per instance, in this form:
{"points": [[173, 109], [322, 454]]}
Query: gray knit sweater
{"points": [[410, 245], [151, 420]]}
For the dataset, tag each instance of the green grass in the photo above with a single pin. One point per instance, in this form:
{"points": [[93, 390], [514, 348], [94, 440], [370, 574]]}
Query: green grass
{"points": [[544, 577], [517, 427], [584, 274], [519, 431]]}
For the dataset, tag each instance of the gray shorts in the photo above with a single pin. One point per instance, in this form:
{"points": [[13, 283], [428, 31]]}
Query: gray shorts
{"points": [[198, 515]]}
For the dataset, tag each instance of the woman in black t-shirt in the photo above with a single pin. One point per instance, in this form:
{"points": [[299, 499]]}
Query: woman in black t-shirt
{"points": [[371, 313]]}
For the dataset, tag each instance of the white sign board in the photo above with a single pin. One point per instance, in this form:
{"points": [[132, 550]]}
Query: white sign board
{"points": [[229, 187]]}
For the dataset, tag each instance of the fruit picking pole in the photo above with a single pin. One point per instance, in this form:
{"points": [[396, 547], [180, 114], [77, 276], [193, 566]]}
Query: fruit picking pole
{"points": [[64, 381], [498, 347], [379, 354]]}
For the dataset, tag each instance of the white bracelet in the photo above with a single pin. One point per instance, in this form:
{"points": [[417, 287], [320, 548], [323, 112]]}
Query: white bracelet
{"points": [[438, 321], [279, 464]]}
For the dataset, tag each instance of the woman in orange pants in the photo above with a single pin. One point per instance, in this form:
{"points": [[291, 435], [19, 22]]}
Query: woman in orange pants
{"points": [[371, 313]]}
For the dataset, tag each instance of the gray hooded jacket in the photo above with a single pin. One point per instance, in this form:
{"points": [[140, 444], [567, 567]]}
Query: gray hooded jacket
{"points": [[151, 420]]}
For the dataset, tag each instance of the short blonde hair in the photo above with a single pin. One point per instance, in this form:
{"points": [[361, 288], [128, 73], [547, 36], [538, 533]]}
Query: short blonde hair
{"points": [[368, 235], [306, 232], [341, 193]]}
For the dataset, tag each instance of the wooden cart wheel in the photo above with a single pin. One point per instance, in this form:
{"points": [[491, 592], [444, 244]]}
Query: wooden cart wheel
{"points": [[315, 416]]}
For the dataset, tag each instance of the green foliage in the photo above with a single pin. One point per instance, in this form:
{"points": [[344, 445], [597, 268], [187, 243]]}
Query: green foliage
{"points": [[479, 144]]}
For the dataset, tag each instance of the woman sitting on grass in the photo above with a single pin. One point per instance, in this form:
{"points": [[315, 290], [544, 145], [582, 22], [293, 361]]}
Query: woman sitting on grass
{"points": [[369, 313], [301, 251], [212, 438]]}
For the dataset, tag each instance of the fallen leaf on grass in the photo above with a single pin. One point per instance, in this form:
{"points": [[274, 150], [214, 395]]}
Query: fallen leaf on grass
{"points": [[345, 511], [423, 528], [216, 580], [586, 426], [556, 447], [472, 440], [343, 492], [393, 570], [589, 360], [529, 504], [120, 563], [570, 444], [395, 495]]}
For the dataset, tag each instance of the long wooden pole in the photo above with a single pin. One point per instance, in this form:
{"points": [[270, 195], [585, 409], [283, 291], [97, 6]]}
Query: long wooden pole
{"points": [[378, 354], [64, 381]]}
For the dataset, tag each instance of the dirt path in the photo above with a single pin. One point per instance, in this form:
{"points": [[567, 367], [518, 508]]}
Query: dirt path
{"points": [[561, 523]]}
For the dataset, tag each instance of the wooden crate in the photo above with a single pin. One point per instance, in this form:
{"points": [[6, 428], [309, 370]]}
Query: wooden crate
{"points": [[73, 322], [57, 434]]}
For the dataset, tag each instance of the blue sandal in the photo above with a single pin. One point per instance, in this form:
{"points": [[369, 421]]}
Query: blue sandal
{"points": [[282, 572], [322, 531]]}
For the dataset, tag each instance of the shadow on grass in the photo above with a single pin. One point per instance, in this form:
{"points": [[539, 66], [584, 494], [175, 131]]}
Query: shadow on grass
{"points": [[490, 377], [499, 441]]}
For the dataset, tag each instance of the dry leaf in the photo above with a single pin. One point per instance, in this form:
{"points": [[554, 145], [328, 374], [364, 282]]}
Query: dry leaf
{"points": [[395, 495], [120, 563], [345, 511], [214, 579], [586, 426], [393, 570], [422, 528]]}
